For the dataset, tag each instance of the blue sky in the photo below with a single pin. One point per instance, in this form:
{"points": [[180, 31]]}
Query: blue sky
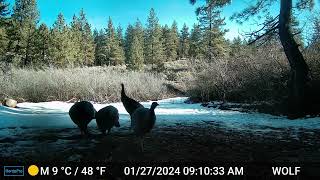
{"points": [[127, 11]]}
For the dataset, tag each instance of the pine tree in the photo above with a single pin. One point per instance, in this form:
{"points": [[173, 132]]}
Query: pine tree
{"points": [[100, 48], [115, 53], [137, 47], [212, 23], [60, 48], [175, 39], [236, 46], [136, 54], [154, 54], [42, 44], [89, 47], [139, 31], [3, 42], [3, 29], [170, 42], [128, 42], [75, 32], [134, 43], [82, 40], [86, 40], [196, 46], [120, 36], [24, 20], [166, 42], [184, 42]]}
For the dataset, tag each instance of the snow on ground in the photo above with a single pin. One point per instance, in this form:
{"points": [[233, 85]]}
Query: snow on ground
{"points": [[171, 111]]}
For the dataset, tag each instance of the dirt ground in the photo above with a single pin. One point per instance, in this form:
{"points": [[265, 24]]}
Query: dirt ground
{"points": [[196, 142]]}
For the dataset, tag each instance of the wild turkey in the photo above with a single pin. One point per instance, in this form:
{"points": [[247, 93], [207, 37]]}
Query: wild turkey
{"points": [[81, 113], [106, 118], [129, 104], [143, 120]]}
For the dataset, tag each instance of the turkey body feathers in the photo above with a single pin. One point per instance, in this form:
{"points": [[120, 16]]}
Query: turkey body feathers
{"points": [[107, 117], [81, 113], [142, 121]]}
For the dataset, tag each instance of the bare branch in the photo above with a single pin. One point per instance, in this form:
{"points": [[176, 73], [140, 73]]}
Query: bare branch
{"points": [[305, 4], [252, 10], [264, 34]]}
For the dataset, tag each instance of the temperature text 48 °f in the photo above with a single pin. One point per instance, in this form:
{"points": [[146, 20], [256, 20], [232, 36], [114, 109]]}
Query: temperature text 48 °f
{"points": [[72, 171]]}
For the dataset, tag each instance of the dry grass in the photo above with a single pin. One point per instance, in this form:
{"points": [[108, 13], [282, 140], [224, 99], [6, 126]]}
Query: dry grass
{"points": [[100, 84]]}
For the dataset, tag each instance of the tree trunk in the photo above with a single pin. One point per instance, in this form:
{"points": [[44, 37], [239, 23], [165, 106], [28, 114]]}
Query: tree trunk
{"points": [[299, 69]]}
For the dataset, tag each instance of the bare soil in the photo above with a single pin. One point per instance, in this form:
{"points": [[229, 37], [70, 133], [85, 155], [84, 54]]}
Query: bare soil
{"points": [[197, 142]]}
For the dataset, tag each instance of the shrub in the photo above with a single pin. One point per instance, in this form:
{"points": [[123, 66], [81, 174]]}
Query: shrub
{"points": [[250, 75], [100, 84]]}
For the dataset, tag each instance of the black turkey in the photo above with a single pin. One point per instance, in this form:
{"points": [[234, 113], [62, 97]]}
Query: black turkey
{"points": [[81, 113], [129, 104], [106, 118]]}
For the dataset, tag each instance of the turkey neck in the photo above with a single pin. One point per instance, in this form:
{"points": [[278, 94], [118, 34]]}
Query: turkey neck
{"points": [[122, 91], [152, 111]]}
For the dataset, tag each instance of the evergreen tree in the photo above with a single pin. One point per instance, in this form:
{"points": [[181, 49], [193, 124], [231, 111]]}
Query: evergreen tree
{"points": [[170, 42], [115, 53], [75, 32], [100, 48], [3, 42], [3, 29], [128, 42], [139, 31], [236, 46], [184, 42], [134, 46], [120, 36], [24, 20], [196, 45], [136, 52], [166, 42], [87, 41], [42, 45], [212, 23], [60, 43], [121, 45], [154, 54], [175, 39], [82, 40]]}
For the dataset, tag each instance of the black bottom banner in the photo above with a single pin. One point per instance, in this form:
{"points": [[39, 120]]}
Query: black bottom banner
{"points": [[159, 170]]}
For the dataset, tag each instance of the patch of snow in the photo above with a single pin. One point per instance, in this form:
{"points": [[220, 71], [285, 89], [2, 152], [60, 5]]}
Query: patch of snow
{"points": [[169, 112]]}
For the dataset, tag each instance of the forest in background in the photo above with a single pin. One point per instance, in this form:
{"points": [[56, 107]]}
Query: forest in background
{"points": [[197, 61], [26, 43]]}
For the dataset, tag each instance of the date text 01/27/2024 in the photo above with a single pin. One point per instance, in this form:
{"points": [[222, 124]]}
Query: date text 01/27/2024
{"points": [[186, 171]]}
